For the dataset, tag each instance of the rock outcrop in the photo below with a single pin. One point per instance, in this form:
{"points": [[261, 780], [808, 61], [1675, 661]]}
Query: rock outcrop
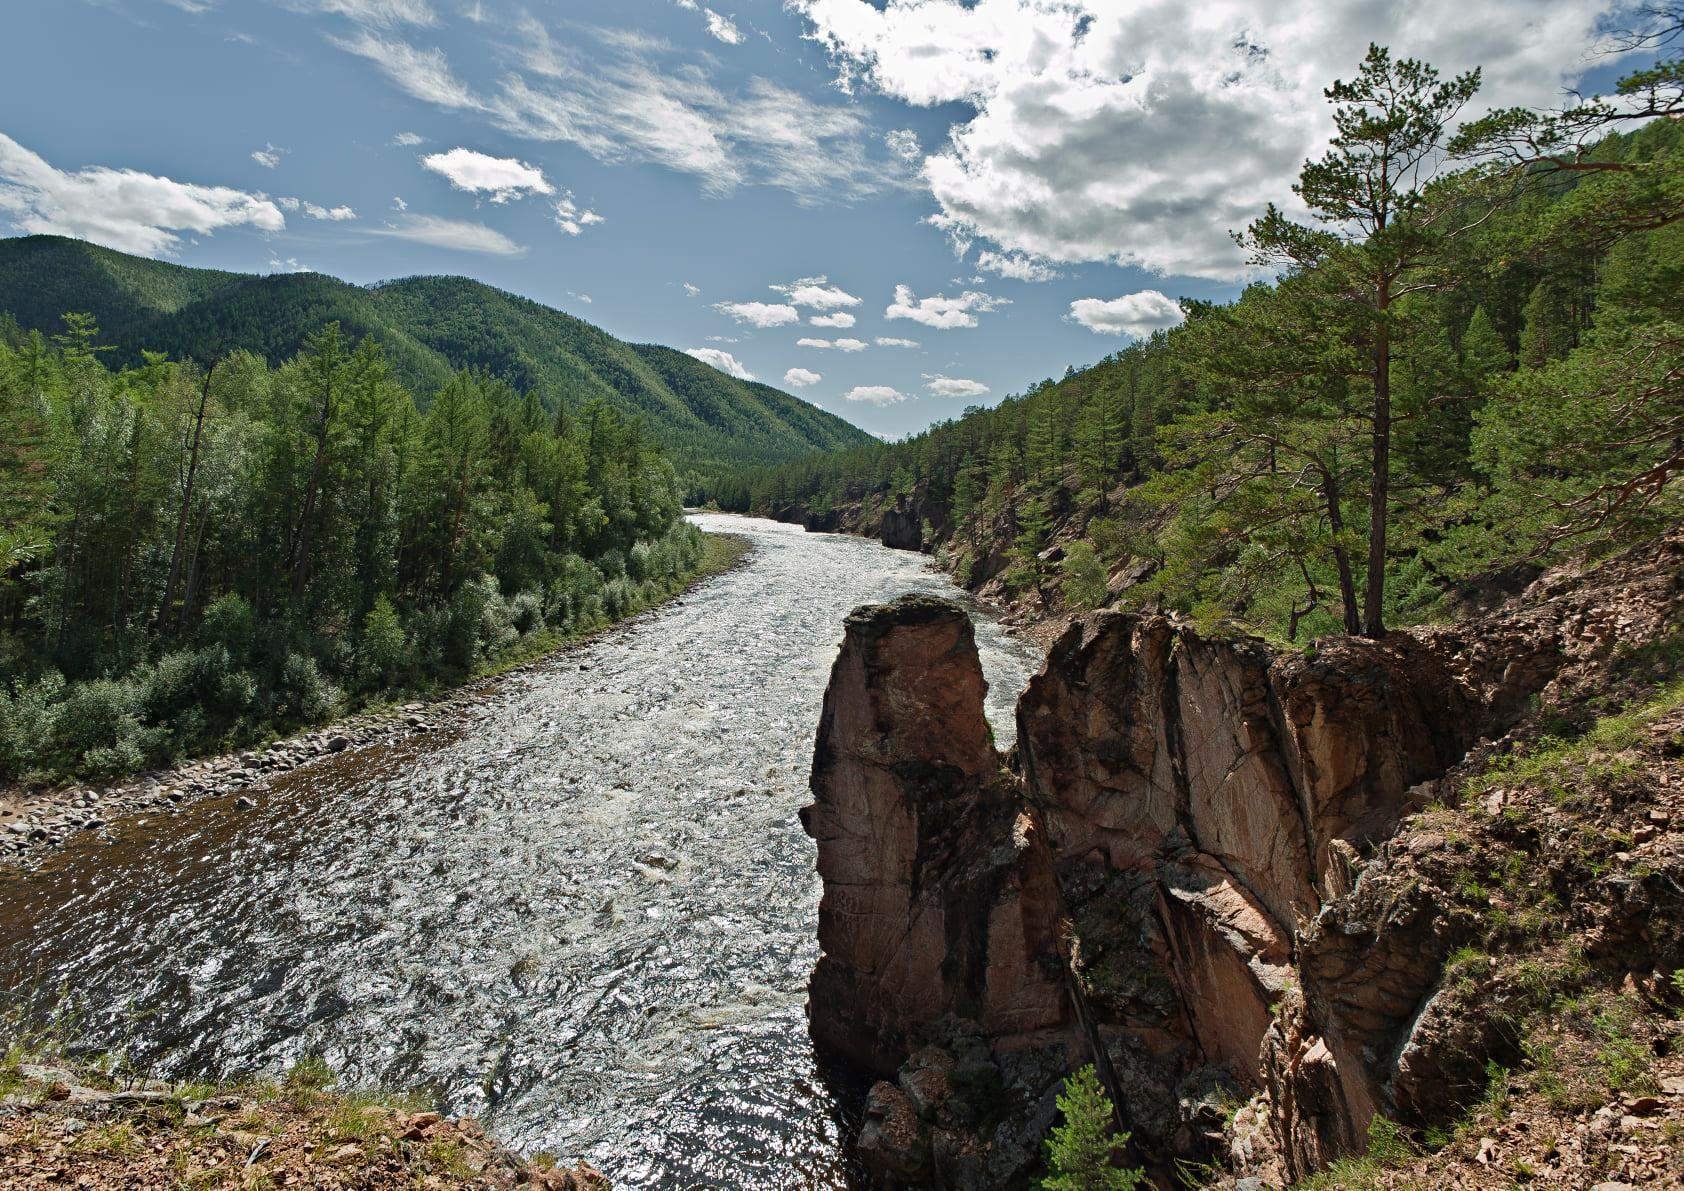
{"points": [[903, 528], [1208, 826], [939, 918]]}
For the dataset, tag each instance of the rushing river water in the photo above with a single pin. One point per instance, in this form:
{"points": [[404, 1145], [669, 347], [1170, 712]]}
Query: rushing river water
{"points": [[585, 913]]}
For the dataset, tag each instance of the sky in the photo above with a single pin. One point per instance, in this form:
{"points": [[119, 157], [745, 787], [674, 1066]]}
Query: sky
{"points": [[894, 209]]}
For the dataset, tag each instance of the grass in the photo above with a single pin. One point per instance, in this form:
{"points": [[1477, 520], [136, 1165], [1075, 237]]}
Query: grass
{"points": [[1601, 753]]}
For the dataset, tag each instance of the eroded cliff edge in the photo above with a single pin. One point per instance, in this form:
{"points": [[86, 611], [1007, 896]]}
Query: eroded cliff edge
{"points": [[1213, 869]]}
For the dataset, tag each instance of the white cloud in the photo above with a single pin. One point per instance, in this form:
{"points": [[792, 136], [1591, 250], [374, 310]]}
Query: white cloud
{"points": [[760, 314], [874, 394], [269, 156], [498, 178], [903, 143], [585, 298], [316, 211], [1143, 133], [721, 28], [626, 97], [891, 341], [951, 386], [802, 377], [1015, 265], [421, 74], [941, 312], [570, 218], [722, 360], [1137, 314], [841, 319], [120, 208], [409, 139], [286, 265], [460, 234], [398, 204], [841, 345], [373, 12], [816, 293], [693, 291]]}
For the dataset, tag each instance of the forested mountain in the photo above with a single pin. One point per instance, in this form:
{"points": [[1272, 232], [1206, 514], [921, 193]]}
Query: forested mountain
{"points": [[1445, 379], [428, 327]]}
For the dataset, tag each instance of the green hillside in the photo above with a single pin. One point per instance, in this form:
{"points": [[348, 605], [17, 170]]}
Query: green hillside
{"points": [[429, 326]]}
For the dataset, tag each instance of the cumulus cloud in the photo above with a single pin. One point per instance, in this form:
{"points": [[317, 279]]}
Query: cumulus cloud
{"points": [[498, 178], [460, 234], [398, 204], [952, 386], [816, 293], [120, 208], [722, 360], [570, 219], [941, 312], [760, 314], [1142, 134], [841, 319], [802, 377], [1138, 314], [269, 156], [1015, 265], [693, 291], [841, 345], [409, 139], [892, 341], [626, 97], [874, 395]]}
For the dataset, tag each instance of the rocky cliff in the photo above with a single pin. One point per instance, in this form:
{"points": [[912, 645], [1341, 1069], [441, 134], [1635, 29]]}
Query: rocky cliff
{"points": [[1208, 866]]}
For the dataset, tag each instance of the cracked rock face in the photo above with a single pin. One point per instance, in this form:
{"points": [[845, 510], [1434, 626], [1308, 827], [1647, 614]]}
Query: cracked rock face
{"points": [[938, 903]]}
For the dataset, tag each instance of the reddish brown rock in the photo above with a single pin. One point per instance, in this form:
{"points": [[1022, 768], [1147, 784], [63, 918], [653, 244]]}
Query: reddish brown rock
{"points": [[937, 901]]}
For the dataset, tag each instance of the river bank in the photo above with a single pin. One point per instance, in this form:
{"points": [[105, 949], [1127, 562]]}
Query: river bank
{"points": [[94, 1126], [35, 823]]}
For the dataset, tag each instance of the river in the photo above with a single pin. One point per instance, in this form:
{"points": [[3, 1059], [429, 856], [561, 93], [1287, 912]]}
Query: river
{"points": [[585, 913]]}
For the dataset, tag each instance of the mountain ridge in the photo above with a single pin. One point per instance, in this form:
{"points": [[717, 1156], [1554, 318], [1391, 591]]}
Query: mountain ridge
{"points": [[430, 325]]}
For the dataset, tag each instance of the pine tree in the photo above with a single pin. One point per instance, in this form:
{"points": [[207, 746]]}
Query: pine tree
{"points": [[1080, 1152]]}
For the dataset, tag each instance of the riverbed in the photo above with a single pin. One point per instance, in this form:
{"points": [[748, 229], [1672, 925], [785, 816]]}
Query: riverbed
{"points": [[584, 913]]}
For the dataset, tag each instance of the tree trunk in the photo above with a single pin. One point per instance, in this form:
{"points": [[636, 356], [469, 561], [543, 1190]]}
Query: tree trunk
{"points": [[1374, 596], [1341, 558], [173, 583]]}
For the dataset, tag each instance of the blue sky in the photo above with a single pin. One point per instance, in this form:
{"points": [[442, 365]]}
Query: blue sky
{"points": [[1013, 185]]}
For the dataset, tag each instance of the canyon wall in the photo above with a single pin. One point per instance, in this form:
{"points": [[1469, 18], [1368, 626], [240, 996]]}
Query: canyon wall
{"points": [[1184, 872]]}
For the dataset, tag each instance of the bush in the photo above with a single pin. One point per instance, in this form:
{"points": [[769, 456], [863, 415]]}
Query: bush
{"points": [[526, 611], [303, 694], [1080, 1148], [203, 680], [98, 730], [27, 715]]}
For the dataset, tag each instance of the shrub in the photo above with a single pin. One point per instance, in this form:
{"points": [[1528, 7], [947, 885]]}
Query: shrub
{"points": [[526, 610], [303, 694], [27, 716]]}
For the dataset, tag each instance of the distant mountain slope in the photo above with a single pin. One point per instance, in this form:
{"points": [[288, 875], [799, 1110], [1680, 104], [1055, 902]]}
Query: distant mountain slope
{"points": [[707, 420]]}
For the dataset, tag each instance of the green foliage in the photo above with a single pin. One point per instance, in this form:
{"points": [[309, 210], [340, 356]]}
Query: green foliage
{"points": [[1081, 1150], [1084, 576], [217, 554]]}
